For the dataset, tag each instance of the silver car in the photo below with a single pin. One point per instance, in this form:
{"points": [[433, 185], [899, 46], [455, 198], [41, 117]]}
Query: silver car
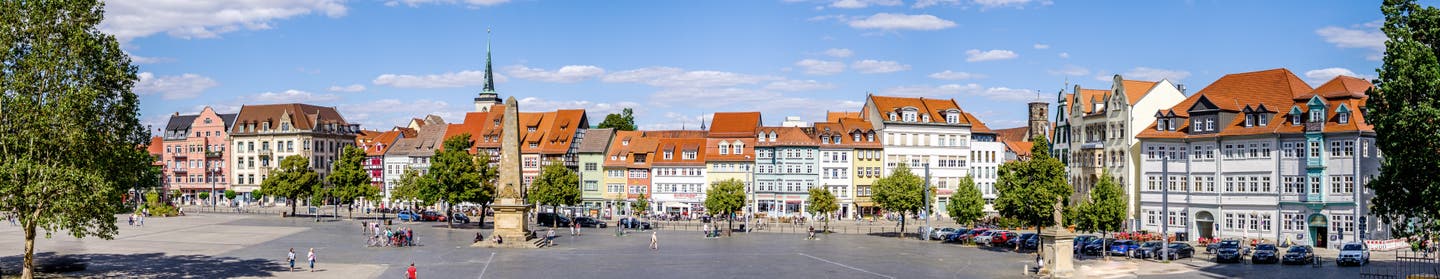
{"points": [[1356, 253]]}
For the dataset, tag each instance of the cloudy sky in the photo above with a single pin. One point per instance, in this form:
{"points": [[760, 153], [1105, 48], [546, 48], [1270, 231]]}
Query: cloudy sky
{"points": [[382, 62]]}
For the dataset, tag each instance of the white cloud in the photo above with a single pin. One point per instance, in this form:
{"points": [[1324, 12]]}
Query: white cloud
{"points": [[149, 60], [927, 3], [1070, 70], [839, 52], [385, 113], [676, 77], [592, 108], [821, 67], [1064, 55], [131, 19], [1153, 74], [347, 88], [1042, 46], [566, 74], [184, 86], [878, 67], [445, 80], [952, 75], [888, 21], [970, 89], [1367, 36], [986, 4], [1319, 76], [294, 96], [471, 3], [976, 55], [798, 85], [856, 4]]}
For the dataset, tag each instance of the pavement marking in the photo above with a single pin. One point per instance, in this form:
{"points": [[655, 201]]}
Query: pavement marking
{"points": [[487, 265], [846, 266]]}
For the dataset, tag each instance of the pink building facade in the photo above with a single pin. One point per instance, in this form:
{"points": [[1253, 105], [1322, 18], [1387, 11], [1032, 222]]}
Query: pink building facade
{"points": [[195, 155]]}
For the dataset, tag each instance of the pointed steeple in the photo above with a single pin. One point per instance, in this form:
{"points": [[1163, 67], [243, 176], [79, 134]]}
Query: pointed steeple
{"points": [[487, 96], [489, 73]]}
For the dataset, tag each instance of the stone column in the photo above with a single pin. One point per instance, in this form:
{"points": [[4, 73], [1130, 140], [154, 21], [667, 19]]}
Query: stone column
{"points": [[511, 213]]}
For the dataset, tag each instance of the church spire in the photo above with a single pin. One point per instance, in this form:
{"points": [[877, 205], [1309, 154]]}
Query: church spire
{"points": [[489, 73]]}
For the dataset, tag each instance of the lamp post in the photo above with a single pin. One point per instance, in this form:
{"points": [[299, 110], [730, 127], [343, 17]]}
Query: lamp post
{"points": [[925, 202], [1165, 204], [213, 204]]}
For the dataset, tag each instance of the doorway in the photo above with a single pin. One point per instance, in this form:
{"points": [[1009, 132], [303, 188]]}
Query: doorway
{"points": [[1205, 224], [1319, 231]]}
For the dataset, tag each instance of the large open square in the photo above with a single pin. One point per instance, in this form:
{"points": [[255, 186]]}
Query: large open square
{"points": [[245, 245]]}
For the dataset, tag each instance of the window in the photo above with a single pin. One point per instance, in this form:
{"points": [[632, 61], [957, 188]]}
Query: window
{"points": [[1264, 119], [1344, 117], [1314, 184], [1249, 120], [1317, 115], [669, 155], [591, 185], [590, 166], [909, 116], [1314, 149], [952, 118], [740, 148], [1210, 124], [1294, 119], [689, 155]]}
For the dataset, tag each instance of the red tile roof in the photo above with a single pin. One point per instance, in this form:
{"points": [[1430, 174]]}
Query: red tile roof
{"points": [[375, 143], [1278, 90], [976, 126], [677, 148], [626, 145], [734, 124], [835, 116], [1136, 89], [846, 129], [884, 105], [302, 116], [156, 146], [1012, 134], [1340, 86], [788, 136], [1020, 148], [1087, 98]]}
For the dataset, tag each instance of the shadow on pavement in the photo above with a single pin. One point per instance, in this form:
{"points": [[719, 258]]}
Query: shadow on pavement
{"points": [[147, 265]]}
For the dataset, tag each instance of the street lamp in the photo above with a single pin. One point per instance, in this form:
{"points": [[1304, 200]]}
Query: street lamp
{"points": [[925, 202], [214, 169]]}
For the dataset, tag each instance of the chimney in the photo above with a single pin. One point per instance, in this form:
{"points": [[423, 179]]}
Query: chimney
{"points": [[1180, 87]]}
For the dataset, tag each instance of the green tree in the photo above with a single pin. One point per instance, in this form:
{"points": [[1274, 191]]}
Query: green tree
{"points": [[966, 204], [822, 203], [485, 193], [1030, 190], [1403, 107], [204, 196], [414, 188], [230, 194], [640, 206], [725, 197], [1104, 212], [71, 128], [623, 121], [557, 185], [348, 182], [294, 180], [453, 173], [901, 192]]}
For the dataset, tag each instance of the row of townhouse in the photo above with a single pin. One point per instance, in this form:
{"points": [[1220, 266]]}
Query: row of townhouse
{"points": [[1263, 155], [213, 152]]}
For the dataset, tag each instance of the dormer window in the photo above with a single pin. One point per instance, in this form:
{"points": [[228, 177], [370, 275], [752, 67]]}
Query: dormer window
{"points": [[892, 116], [925, 118], [1249, 120], [870, 137], [1210, 124], [739, 148], [1317, 115], [669, 154], [1172, 125], [772, 136], [1295, 118], [1344, 117], [1160, 125], [1198, 125], [724, 148], [909, 116], [824, 139], [625, 142], [1264, 119], [952, 118], [837, 139], [857, 138]]}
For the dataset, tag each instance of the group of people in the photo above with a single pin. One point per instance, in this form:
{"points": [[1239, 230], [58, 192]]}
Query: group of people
{"points": [[138, 218], [388, 237], [493, 238], [291, 258]]}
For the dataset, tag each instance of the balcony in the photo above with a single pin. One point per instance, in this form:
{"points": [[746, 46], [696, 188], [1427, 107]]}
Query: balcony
{"points": [[1093, 145], [180, 170], [266, 152], [180, 154], [214, 154], [1314, 127]]}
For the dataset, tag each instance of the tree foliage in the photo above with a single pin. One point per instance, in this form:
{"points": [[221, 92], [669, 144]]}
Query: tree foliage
{"points": [[1403, 106], [822, 203], [1104, 212], [623, 121], [640, 206], [71, 142], [966, 205], [348, 181], [414, 188], [230, 194], [557, 185], [726, 197], [1030, 189], [902, 192], [294, 180], [453, 173]]}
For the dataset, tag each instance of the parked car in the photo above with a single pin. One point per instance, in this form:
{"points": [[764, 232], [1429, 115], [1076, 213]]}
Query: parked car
{"points": [[1123, 247], [1019, 241], [1228, 251], [1000, 238], [432, 216], [552, 219], [1299, 254], [1031, 243], [1097, 246], [1265, 253], [984, 237], [407, 216], [939, 234], [970, 236], [956, 235], [459, 218], [1356, 253], [1147, 250], [1179, 250], [590, 222], [1081, 241], [633, 223]]}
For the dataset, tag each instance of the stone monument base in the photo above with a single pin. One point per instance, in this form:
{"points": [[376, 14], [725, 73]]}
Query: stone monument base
{"points": [[1058, 252], [511, 223]]}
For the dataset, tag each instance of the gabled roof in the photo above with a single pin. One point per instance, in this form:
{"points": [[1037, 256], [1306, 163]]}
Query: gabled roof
{"points": [[1088, 97], [431, 137], [375, 143], [734, 124], [846, 129], [1340, 86], [1276, 90], [1012, 134], [1020, 148], [678, 147], [156, 146], [596, 140], [976, 126], [884, 105], [835, 116], [788, 136], [626, 145], [180, 122], [1136, 89], [302, 116]]}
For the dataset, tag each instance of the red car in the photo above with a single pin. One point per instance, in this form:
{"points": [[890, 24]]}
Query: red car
{"points": [[999, 238], [432, 216], [971, 235]]}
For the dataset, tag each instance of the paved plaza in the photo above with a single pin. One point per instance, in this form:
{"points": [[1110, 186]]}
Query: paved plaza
{"points": [[247, 246]]}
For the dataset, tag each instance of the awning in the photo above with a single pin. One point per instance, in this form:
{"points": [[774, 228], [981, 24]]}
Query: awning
{"points": [[865, 203]]}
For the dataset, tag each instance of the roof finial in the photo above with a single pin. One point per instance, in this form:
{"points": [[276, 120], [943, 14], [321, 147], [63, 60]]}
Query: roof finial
{"points": [[489, 76]]}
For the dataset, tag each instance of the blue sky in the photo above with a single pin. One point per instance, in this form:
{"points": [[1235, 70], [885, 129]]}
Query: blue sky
{"points": [[675, 62]]}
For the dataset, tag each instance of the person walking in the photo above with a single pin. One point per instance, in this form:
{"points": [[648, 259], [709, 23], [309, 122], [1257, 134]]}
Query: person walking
{"points": [[410, 272], [312, 259], [291, 257], [654, 241], [574, 228]]}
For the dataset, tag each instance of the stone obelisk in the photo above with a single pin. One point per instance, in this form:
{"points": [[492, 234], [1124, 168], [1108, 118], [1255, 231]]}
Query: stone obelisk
{"points": [[511, 221]]}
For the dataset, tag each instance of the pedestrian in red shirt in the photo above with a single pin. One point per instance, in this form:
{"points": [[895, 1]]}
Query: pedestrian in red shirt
{"points": [[410, 273]]}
